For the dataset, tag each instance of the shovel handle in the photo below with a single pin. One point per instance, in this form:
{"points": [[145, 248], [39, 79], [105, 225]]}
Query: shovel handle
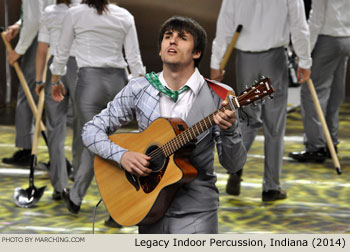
{"points": [[38, 121], [230, 47], [324, 126], [23, 82]]}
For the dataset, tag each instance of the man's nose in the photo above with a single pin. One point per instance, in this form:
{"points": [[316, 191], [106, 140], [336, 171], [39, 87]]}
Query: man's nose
{"points": [[173, 40]]}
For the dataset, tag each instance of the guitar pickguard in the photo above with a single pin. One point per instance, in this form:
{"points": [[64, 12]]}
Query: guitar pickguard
{"points": [[158, 165]]}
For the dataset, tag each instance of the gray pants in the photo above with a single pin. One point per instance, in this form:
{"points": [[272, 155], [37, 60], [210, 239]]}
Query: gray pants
{"points": [[272, 114], [328, 72], [95, 88], [192, 223], [56, 120], [24, 120]]}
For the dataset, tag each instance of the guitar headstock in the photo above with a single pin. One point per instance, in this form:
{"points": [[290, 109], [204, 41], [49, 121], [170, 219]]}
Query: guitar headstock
{"points": [[259, 90]]}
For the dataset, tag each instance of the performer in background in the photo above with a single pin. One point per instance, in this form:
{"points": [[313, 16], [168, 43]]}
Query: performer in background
{"points": [[330, 40], [100, 31], [178, 91], [267, 26], [25, 51], [55, 112]]}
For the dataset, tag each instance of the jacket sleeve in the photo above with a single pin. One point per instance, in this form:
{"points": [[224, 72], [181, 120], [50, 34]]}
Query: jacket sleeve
{"points": [[229, 144]]}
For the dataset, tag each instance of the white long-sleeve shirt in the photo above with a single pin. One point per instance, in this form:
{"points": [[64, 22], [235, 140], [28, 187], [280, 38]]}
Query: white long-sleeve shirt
{"points": [[266, 24], [51, 24], [329, 17], [99, 40], [32, 10]]}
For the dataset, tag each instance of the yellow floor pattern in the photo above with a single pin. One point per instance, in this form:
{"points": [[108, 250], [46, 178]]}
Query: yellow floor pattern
{"points": [[318, 199]]}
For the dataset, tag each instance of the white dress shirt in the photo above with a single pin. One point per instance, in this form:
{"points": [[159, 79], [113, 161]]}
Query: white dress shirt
{"points": [[180, 108], [329, 17], [266, 24], [51, 24], [99, 40], [31, 11]]}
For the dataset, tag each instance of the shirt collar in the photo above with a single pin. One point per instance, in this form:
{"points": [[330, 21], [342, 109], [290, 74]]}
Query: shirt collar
{"points": [[195, 82]]}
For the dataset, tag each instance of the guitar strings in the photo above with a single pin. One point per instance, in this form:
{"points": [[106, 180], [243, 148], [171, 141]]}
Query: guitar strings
{"points": [[180, 140]]}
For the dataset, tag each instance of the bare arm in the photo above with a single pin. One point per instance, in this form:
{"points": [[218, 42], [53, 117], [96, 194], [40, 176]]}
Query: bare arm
{"points": [[40, 61]]}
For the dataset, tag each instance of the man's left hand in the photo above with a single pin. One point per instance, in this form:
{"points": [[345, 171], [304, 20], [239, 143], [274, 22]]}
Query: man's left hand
{"points": [[303, 74], [226, 118], [13, 56]]}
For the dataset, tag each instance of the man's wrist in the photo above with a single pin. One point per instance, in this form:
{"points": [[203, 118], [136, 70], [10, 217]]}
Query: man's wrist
{"points": [[55, 84], [39, 82]]}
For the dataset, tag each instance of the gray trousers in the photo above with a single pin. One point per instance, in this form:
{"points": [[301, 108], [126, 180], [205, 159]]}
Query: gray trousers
{"points": [[24, 120], [272, 114], [95, 88], [192, 223], [56, 121], [328, 72]]}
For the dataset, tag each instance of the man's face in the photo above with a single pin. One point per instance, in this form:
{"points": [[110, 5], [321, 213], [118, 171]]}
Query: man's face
{"points": [[177, 49]]}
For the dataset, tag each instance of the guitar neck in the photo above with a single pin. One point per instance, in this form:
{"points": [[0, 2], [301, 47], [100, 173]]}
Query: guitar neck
{"points": [[191, 133]]}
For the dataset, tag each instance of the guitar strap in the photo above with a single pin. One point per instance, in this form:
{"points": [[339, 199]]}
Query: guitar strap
{"points": [[218, 89]]}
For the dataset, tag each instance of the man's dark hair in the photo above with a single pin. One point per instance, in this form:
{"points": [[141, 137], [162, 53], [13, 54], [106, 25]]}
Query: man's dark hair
{"points": [[180, 24], [67, 2], [99, 5]]}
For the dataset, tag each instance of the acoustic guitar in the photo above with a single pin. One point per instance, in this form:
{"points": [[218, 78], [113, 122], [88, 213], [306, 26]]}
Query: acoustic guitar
{"points": [[132, 200]]}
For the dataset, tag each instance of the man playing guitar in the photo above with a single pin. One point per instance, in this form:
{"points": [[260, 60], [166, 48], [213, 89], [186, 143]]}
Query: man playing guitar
{"points": [[179, 91]]}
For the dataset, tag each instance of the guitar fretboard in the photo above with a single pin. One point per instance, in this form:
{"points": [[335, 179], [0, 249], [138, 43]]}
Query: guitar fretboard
{"points": [[189, 134]]}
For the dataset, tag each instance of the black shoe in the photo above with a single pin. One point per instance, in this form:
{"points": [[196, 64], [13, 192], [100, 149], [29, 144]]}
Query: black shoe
{"points": [[56, 195], [73, 208], [20, 157], [111, 223], [42, 166], [329, 153], [317, 156], [272, 195], [233, 186], [70, 171]]}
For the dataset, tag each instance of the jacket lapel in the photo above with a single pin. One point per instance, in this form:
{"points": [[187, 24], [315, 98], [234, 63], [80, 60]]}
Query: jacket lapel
{"points": [[202, 106]]}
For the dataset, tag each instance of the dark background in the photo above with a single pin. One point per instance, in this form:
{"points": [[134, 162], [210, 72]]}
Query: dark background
{"points": [[149, 15]]}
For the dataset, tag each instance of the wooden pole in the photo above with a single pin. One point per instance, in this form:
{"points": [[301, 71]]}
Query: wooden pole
{"points": [[230, 47], [324, 126], [23, 82], [38, 121]]}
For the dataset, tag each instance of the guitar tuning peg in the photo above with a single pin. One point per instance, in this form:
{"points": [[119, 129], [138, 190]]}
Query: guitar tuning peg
{"points": [[255, 104], [246, 87], [263, 101], [262, 77], [270, 96]]}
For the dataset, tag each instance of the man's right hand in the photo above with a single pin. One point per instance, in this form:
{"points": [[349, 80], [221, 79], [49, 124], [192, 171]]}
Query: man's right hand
{"points": [[12, 32], [136, 163], [38, 88], [58, 92]]}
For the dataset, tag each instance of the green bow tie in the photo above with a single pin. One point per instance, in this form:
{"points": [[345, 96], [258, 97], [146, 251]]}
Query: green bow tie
{"points": [[155, 82]]}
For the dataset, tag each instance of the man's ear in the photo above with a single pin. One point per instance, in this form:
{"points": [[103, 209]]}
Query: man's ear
{"points": [[196, 55]]}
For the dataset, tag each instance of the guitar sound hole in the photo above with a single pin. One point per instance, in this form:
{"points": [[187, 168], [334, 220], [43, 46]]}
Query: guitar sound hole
{"points": [[158, 166], [158, 160]]}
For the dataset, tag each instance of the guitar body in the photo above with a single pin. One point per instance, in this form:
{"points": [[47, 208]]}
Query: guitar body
{"points": [[132, 201]]}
